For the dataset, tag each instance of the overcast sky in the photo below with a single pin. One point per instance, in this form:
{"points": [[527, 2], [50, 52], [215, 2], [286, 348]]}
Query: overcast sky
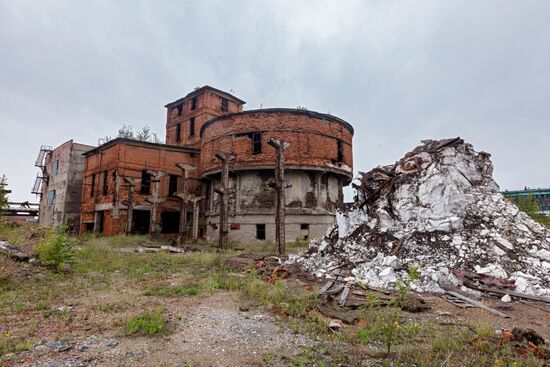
{"points": [[399, 71]]}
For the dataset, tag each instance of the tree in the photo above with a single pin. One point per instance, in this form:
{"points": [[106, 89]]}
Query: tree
{"points": [[528, 205], [126, 132], [147, 135], [3, 192]]}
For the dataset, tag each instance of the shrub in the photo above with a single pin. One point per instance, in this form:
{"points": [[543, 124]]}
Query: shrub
{"points": [[55, 249], [148, 323]]}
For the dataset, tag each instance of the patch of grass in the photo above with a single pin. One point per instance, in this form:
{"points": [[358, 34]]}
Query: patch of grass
{"points": [[100, 258], [11, 344], [115, 306], [162, 290], [147, 323]]}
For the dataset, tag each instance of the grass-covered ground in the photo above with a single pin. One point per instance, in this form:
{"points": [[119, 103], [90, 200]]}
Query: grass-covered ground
{"points": [[169, 309]]}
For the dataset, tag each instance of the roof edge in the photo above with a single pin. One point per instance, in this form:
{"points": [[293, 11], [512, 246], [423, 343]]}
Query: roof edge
{"points": [[199, 91], [116, 141], [314, 114]]}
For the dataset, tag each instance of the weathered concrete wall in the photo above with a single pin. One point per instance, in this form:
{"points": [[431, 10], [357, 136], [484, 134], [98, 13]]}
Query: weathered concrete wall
{"points": [[312, 199], [66, 181], [242, 228], [128, 158]]}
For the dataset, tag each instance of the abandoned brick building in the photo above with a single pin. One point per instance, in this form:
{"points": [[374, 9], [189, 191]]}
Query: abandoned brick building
{"points": [[206, 121], [59, 184]]}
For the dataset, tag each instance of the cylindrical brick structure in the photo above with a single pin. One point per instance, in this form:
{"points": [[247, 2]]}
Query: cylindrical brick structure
{"points": [[318, 164]]}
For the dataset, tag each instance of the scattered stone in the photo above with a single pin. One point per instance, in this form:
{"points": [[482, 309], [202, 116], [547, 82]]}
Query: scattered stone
{"points": [[506, 298]]}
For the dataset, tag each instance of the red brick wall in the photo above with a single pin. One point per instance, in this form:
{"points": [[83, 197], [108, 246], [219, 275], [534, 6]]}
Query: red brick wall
{"points": [[313, 140], [128, 161], [208, 106]]}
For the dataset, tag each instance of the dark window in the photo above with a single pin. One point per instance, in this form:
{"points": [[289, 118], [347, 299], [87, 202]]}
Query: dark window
{"points": [[192, 126], [51, 197], [173, 185], [170, 222], [260, 231], [225, 105], [178, 132], [105, 183], [92, 188], [55, 168], [340, 147], [180, 109], [145, 182], [256, 143], [304, 231], [194, 103]]}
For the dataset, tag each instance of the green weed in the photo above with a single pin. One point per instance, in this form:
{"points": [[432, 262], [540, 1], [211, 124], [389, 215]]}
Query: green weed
{"points": [[147, 323]]}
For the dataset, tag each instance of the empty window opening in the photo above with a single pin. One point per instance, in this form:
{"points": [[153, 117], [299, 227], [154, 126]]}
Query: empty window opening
{"points": [[225, 105], [192, 126], [105, 188], [178, 133], [100, 221], [170, 222], [194, 103], [89, 227], [140, 221], [145, 182], [173, 185], [55, 168], [180, 109], [260, 231], [92, 186], [51, 197], [304, 231], [340, 148], [256, 143]]}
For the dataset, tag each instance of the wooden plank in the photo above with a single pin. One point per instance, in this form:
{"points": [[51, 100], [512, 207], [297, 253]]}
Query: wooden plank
{"points": [[513, 294], [326, 287], [477, 304], [344, 296]]}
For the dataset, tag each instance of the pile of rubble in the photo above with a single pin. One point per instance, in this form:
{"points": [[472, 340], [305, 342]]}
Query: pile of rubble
{"points": [[437, 213]]}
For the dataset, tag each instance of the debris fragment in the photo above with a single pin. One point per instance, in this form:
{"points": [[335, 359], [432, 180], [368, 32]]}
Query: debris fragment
{"points": [[436, 212], [13, 252]]}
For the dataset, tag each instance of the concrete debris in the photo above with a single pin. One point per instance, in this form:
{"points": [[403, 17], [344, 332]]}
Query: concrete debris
{"points": [[436, 210], [506, 298], [13, 252]]}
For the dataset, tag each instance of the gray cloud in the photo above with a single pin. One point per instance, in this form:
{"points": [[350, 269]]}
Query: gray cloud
{"points": [[399, 71]]}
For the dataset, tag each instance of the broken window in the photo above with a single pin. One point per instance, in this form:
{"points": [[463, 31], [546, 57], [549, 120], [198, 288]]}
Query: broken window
{"points": [[92, 187], [55, 168], [194, 103], [304, 231], [173, 185], [340, 148], [105, 183], [180, 109], [178, 133], [225, 105], [192, 126], [51, 197], [260, 231], [145, 183], [256, 143]]}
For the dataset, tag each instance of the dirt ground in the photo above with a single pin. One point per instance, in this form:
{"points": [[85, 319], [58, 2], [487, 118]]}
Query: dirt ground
{"points": [[78, 317]]}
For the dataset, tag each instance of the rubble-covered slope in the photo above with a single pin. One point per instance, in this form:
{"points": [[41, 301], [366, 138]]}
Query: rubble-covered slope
{"points": [[437, 209]]}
